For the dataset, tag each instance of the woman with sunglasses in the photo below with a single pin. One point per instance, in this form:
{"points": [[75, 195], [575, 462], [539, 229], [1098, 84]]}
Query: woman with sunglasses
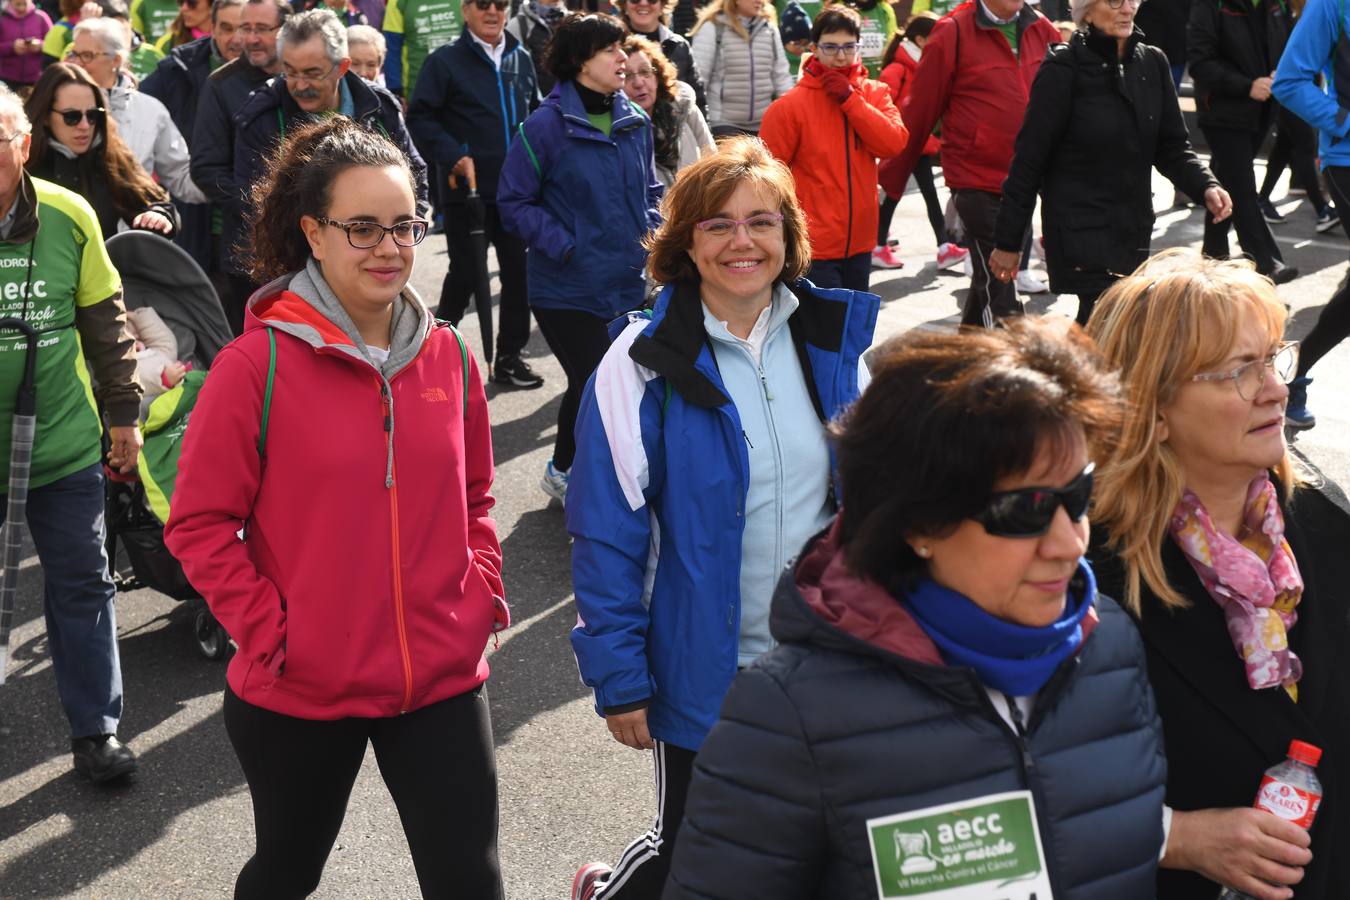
{"points": [[192, 22], [1103, 114], [951, 702], [702, 465], [346, 431], [1235, 567], [77, 146]]}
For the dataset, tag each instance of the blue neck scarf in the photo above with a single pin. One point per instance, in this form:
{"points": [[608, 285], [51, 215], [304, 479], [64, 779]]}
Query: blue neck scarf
{"points": [[1014, 659]]}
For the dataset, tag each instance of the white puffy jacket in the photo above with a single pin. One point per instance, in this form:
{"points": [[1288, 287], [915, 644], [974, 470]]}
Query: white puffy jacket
{"points": [[743, 76]]}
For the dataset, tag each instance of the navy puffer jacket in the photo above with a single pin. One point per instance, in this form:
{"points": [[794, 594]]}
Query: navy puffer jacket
{"points": [[833, 728]]}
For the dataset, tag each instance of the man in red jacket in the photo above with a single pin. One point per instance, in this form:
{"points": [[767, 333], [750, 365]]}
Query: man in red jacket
{"points": [[975, 76], [829, 130]]}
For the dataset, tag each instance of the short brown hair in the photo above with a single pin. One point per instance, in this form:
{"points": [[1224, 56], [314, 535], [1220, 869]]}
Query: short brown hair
{"points": [[665, 70], [699, 193], [949, 414]]}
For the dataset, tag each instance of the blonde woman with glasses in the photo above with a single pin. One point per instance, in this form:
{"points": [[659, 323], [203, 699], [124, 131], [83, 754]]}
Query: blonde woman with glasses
{"points": [[1235, 568], [739, 53]]}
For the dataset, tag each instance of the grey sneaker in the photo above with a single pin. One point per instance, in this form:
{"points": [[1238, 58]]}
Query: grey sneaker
{"points": [[554, 483]]}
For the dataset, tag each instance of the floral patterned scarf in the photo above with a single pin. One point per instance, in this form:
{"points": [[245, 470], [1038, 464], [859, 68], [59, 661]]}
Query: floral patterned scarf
{"points": [[1253, 578]]}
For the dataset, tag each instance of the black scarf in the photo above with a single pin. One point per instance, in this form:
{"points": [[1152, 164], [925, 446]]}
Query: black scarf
{"points": [[666, 134]]}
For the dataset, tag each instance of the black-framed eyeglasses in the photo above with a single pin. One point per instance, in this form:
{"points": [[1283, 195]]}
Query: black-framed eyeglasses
{"points": [[1250, 378], [484, 4], [367, 235], [309, 75], [72, 117], [1029, 512]]}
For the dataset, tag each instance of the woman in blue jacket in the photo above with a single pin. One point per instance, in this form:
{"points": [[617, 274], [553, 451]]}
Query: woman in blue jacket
{"points": [[702, 466], [579, 186]]}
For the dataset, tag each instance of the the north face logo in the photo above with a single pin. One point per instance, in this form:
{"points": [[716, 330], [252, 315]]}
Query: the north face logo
{"points": [[434, 395]]}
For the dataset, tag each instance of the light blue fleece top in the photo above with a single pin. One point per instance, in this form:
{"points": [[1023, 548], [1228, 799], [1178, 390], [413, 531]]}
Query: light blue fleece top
{"points": [[1320, 46], [789, 494]]}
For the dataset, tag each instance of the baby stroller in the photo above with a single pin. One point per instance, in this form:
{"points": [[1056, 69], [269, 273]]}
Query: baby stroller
{"points": [[156, 273]]}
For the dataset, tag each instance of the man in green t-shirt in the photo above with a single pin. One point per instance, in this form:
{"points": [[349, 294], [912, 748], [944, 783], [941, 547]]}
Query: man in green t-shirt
{"points": [[412, 29], [65, 286]]}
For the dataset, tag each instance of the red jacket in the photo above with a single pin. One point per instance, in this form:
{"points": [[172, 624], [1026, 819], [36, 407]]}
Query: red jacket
{"points": [[899, 77], [354, 594], [832, 150], [969, 78]]}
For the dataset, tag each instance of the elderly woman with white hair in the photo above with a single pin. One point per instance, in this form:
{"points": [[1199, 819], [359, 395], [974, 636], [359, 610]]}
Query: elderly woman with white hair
{"points": [[1103, 113], [101, 47], [367, 48]]}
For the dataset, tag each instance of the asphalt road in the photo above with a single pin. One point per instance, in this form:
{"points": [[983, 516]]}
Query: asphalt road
{"points": [[568, 793]]}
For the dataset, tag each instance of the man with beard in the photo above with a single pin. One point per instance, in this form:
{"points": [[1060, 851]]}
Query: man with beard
{"points": [[212, 142], [315, 81]]}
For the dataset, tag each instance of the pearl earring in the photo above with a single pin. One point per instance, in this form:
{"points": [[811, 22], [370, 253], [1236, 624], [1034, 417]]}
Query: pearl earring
{"points": [[924, 552]]}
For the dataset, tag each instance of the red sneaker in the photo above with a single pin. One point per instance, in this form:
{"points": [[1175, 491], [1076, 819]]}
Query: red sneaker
{"points": [[886, 258], [584, 884]]}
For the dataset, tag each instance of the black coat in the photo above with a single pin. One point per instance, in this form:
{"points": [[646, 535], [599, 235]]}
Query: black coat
{"points": [[178, 80], [828, 731], [1095, 128], [1229, 45], [1220, 734], [87, 176], [1163, 23], [681, 56]]}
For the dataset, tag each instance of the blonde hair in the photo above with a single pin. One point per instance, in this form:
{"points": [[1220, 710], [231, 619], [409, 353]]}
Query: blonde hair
{"points": [[727, 10], [1177, 316]]}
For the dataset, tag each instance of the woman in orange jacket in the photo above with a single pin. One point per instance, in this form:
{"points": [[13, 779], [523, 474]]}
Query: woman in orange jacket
{"points": [[829, 130]]}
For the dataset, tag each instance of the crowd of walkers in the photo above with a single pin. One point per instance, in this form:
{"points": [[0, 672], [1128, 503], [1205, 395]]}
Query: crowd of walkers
{"points": [[1064, 576]]}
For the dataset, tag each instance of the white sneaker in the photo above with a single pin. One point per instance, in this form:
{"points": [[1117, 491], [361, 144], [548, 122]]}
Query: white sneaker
{"points": [[554, 483], [1030, 284], [967, 267]]}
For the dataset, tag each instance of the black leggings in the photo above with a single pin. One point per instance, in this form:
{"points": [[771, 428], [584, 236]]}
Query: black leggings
{"points": [[923, 177], [1295, 147], [1232, 155], [579, 341], [1333, 325], [437, 762]]}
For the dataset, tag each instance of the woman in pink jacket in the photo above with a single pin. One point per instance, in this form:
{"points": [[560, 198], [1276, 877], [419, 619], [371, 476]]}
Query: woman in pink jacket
{"points": [[346, 434], [22, 28]]}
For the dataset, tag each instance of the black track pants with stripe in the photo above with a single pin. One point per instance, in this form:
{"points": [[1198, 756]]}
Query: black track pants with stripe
{"points": [[640, 874]]}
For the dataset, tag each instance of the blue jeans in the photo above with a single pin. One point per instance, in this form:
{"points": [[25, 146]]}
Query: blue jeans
{"points": [[66, 520], [853, 272]]}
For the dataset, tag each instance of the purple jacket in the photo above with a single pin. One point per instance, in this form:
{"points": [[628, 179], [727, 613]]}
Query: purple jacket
{"points": [[24, 69]]}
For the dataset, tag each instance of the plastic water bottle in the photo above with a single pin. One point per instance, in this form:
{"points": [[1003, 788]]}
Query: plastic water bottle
{"points": [[1291, 791]]}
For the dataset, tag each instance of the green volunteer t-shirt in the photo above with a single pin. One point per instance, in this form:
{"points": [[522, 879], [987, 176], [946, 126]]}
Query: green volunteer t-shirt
{"points": [[425, 26], [152, 18], [941, 7], [603, 121], [878, 26], [1010, 32], [143, 61], [70, 268]]}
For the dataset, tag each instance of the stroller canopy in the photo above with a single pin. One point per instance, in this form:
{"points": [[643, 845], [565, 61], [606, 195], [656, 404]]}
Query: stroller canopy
{"points": [[159, 274]]}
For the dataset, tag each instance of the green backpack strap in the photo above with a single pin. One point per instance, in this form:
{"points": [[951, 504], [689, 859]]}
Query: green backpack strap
{"points": [[267, 392]]}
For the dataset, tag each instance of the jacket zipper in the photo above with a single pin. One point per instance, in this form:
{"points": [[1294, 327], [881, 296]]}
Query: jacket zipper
{"points": [[399, 619], [848, 174]]}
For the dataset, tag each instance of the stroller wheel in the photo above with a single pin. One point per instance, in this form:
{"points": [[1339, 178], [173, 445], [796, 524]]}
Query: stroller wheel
{"points": [[212, 641]]}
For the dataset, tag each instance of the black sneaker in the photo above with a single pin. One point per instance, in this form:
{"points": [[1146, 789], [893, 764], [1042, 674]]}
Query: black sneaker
{"points": [[1283, 274], [102, 757], [1327, 220], [512, 371], [1269, 212]]}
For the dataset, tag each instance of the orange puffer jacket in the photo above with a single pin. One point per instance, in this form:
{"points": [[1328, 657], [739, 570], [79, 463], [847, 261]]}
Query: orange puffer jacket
{"points": [[832, 150]]}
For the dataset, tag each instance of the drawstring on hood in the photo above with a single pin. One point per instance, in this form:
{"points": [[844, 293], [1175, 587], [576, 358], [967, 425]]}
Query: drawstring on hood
{"points": [[409, 328]]}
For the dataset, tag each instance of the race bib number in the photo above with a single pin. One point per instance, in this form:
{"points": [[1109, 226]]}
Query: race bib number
{"points": [[987, 848]]}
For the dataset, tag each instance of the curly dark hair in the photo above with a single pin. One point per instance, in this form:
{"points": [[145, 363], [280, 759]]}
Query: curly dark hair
{"points": [[577, 38], [298, 181], [949, 414]]}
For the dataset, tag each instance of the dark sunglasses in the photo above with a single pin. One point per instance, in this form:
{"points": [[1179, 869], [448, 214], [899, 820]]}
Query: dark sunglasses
{"points": [[484, 4], [72, 117], [1028, 512]]}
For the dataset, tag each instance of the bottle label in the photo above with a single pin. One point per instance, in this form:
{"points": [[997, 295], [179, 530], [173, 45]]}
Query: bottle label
{"points": [[1288, 802]]}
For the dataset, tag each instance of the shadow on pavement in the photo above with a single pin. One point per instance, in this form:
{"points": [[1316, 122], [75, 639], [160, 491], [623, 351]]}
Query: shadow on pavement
{"points": [[104, 827], [534, 671]]}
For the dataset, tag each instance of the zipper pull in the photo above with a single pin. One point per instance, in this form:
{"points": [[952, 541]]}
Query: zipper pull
{"points": [[384, 402], [747, 439], [764, 382]]}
